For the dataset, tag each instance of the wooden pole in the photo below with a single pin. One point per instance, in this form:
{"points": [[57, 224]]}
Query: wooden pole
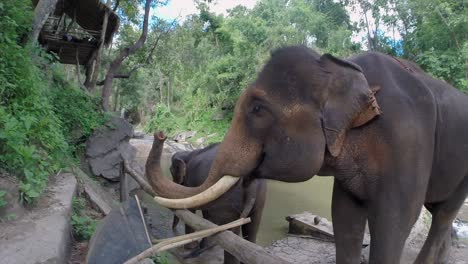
{"points": [[138, 178], [245, 251], [184, 239]]}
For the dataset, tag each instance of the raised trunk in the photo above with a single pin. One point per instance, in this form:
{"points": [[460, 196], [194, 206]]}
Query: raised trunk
{"points": [[238, 155], [162, 185]]}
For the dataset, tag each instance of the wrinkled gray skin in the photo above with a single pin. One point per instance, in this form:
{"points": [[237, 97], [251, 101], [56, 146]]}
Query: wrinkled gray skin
{"points": [[190, 168]]}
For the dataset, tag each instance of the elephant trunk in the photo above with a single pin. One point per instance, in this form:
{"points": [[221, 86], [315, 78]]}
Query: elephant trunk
{"points": [[174, 195], [238, 155]]}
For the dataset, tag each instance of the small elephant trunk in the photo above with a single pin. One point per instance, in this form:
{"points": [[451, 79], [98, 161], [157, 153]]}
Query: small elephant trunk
{"points": [[162, 185]]}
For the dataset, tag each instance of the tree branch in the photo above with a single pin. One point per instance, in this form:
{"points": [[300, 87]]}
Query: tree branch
{"points": [[117, 2], [147, 60], [117, 62]]}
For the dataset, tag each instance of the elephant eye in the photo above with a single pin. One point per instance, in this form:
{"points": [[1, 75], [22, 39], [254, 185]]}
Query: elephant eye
{"points": [[256, 109]]}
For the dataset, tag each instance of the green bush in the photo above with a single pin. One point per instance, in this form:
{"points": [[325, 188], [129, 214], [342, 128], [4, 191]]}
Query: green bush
{"points": [[78, 112], [160, 258], [163, 120], [39, 109], [197, 118], [83, 225], [2, 199]]}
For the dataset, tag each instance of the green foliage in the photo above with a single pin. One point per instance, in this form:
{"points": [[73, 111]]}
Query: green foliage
{"points": [[434, 35], [36, 130], [163, 120], [83, 224], [204, 64], [439, 41], [78, 113], [2, 199], [160, 258]]}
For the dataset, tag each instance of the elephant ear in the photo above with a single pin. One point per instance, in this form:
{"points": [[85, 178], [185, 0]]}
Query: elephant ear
{"points": [[350, 101], [178, 170]]}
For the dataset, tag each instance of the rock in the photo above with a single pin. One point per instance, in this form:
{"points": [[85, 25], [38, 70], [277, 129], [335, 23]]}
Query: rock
{"points": [[146, 261], [173, 147], [200, 142], [463, 213], [308, 224], [43, 234], [107, 166], [108, 137], [139, 134], [105, 147], [119, 236], [183, 136]]}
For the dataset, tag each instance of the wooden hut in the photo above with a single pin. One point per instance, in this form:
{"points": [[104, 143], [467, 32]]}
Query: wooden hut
{"points": [[73, 30]]}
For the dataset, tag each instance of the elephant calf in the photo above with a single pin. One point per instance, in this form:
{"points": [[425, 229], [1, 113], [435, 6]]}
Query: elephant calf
{"points": [[190, 168]]}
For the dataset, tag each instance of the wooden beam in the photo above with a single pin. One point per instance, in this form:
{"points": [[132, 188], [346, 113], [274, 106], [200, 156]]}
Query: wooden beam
{"points": [[245, 251], [178, 241]]}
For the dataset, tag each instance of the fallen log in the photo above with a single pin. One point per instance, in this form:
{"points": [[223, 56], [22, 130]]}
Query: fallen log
{"points": [[245, 251]]}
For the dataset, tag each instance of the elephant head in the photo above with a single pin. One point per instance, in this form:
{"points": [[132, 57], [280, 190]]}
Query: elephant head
{"points": [[178, 169], [296, 112]]}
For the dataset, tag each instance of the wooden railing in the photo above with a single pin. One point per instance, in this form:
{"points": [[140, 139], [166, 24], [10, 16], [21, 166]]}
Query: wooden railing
{"points": [[245, 251]]}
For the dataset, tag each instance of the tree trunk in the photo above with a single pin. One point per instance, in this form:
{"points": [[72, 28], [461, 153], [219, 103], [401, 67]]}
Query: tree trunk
{"points": [[90, 69], [124, 53], [77, 58], [97, 65], [42, 11]]}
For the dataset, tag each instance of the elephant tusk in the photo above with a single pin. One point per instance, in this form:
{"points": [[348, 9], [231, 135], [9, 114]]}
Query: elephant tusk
{"points": [[209, 195]]}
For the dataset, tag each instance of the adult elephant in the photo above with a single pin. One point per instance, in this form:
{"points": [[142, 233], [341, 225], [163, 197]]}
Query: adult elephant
{"points": [[394, 138], [190, 168]]}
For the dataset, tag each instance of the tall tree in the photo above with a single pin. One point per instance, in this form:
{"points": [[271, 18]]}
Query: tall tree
{"points": [[42, 11], [116, 64]]}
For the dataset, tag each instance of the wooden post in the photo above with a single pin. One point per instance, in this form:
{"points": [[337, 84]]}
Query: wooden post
{"points": [[123, 184], [245, 251], [77, 58]]}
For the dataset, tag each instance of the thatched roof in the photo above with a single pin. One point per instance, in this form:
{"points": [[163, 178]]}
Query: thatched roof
{"points": [[76, 42], [89, 14]]}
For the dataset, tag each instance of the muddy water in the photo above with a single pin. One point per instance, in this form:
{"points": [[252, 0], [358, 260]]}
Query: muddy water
{"points": [[284, 199]]}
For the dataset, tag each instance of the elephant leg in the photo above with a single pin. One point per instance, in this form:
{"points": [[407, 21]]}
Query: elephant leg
{"points": [[392, 214], [436, 249], [349, 221]]}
